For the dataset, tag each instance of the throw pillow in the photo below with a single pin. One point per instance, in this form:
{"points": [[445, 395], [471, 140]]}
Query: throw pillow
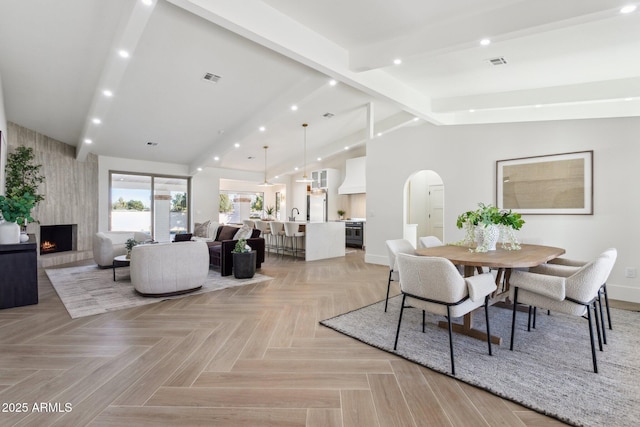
{"points": [[213, 229], [201, 230], [227, 233], [243, 233]]}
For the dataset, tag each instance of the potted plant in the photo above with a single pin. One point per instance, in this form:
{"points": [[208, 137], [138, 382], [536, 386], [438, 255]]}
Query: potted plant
{"points": [[15, 210], [129, 244], [23, 176], [488, 224], [269, 210], [244, 260], [341, 213]]}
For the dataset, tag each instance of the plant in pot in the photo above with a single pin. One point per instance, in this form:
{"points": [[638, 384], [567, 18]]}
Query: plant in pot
{"points": [[269, 210], [129, 244], [341, 213], [244, 260], [488, 224], [15, 210]]}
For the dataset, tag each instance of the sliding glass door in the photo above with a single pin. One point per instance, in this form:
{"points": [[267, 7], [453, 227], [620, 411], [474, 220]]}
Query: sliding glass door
{"points": [[158, 205]]}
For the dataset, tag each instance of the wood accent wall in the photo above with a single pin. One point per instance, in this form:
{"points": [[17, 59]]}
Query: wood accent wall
{"points": [[70, 190]]}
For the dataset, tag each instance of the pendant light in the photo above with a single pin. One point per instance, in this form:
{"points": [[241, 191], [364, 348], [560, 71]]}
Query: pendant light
{"points": [[305, 178], [265, 183]]}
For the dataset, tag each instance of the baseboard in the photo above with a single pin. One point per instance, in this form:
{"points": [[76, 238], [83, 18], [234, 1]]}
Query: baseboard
{"points": [[60, 258], [376, 259], [623, 293]]}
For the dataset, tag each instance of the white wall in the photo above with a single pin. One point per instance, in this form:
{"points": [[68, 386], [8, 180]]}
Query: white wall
{"points": [[465, 156]]}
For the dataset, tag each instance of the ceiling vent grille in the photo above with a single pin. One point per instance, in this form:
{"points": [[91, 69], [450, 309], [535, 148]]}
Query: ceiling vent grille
{"points": [[211, 78], [328, 115], [497, 61]]}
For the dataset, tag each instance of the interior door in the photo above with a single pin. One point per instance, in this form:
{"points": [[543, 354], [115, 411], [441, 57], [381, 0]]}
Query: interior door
{"points": [[436, 211]]}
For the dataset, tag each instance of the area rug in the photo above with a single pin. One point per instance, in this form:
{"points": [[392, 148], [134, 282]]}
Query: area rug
{"points": [[549, 371], [88, 290]]}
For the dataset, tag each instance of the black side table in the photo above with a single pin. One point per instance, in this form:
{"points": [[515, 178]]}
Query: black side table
{"points": [[120, 261], [19, 278]]}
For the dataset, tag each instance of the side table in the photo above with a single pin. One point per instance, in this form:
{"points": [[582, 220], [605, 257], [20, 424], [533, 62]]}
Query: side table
{"points": [[120, 261]]}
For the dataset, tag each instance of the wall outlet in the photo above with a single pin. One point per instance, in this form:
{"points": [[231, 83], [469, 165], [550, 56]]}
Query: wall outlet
{"points": [[630, 272]]}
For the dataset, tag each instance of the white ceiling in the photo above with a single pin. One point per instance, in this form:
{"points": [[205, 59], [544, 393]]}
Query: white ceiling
{"points": [[565, 60]]}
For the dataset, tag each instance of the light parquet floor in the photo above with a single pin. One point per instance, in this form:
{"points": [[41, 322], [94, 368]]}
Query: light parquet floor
{"points": [[248, 356]]}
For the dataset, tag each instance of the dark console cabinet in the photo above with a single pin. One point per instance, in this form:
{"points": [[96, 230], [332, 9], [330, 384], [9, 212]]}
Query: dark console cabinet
{"points": [[18, 274]]}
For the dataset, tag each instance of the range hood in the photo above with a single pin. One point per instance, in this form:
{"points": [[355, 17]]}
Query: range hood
{"points": [[355, 177]]}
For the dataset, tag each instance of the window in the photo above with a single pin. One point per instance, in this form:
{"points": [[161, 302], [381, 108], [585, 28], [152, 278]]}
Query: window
{"points": [[238, 205], [158, 205]]}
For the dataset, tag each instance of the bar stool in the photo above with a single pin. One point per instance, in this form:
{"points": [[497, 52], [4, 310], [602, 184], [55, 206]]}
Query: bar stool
{"points": [[277, 233], [292, 231], [265, 232]]}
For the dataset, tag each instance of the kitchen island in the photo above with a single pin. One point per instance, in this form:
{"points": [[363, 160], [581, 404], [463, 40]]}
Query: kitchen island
{"points": [[324, 240]]}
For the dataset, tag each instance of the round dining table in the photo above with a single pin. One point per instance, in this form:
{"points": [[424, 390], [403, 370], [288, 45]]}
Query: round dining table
{"points": [[501, 259]]}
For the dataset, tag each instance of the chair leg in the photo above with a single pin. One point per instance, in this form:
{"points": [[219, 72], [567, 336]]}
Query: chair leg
{"points": [[453, 366], [606, 302], [535, 316], [395, 345], [513, 319], [604, 332], [486, 314], [529, 320], [595, 314], [593, 344], [386, 301], [423, 320]]}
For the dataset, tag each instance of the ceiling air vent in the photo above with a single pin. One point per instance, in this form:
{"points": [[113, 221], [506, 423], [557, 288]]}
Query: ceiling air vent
{"points": [[152, 144], [497, 61], [328, 115], [211, 78]]}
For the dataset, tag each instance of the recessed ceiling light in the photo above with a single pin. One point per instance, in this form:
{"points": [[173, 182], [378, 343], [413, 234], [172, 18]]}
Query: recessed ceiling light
{"points": [[397, 61], [319, 159], [295, 169], [87, 141], [415, 119], [538, 105], [216, 158], [628, 99], [332, 82], [107, 93], [277, 177], [96, 121], [628, 8], [294, 108], [236, 145], [262, 128], [472, 110], [379, 134], [123, 53], [147, 2], [346, 148], [485, 42], [199, 169]]}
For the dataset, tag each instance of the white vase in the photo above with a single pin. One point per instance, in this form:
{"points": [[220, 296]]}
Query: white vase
{"points": [[24, 237], [487, 236], [9, 233]]}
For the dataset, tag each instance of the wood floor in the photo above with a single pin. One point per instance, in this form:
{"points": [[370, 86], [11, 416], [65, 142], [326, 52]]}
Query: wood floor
{"points": [[247, 356]]}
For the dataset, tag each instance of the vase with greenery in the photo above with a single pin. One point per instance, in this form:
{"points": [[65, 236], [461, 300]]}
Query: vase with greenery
{"points": [[244, 260], [16, 211], [341, 213], [269, 210], [129, 245], [23, 176], [487, 224]]}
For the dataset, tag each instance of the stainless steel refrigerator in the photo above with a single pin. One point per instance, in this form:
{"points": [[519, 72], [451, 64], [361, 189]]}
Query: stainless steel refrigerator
{"points": [[317, 206]]}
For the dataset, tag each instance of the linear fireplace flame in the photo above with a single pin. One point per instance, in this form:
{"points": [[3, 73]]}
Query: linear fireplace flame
{"points": [[58, 238]]}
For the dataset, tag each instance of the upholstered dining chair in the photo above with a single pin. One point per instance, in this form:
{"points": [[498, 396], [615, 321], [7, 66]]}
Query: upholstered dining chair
{"points": [[395, 247], [573, 295], [429, 242], [565, 267], [434, 284]]}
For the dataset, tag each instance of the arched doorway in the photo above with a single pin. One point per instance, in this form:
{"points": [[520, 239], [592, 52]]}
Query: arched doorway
{"points": [[423, 206]]}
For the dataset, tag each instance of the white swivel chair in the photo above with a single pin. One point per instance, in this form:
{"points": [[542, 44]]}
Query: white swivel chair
{"points": [[292, 233], [573, 295], [277, 234], [395, 247], [434, 284], [429, 242]]}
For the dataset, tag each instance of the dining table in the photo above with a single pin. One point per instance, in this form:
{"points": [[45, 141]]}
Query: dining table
{"points": [[502, 259]]}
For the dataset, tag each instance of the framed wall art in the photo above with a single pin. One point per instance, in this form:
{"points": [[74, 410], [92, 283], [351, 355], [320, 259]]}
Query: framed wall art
{"points": [[553, 184]]}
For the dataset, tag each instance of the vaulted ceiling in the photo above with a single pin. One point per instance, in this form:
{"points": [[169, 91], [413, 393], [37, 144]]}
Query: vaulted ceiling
{"points": [[545, 60]]}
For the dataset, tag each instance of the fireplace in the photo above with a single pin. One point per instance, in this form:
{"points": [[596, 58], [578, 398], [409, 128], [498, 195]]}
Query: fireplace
{"points": [[58, 238]]}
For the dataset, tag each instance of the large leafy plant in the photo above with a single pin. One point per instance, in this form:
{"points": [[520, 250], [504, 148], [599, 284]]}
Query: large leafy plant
{"points": [[17, 208], [22, 182]]}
